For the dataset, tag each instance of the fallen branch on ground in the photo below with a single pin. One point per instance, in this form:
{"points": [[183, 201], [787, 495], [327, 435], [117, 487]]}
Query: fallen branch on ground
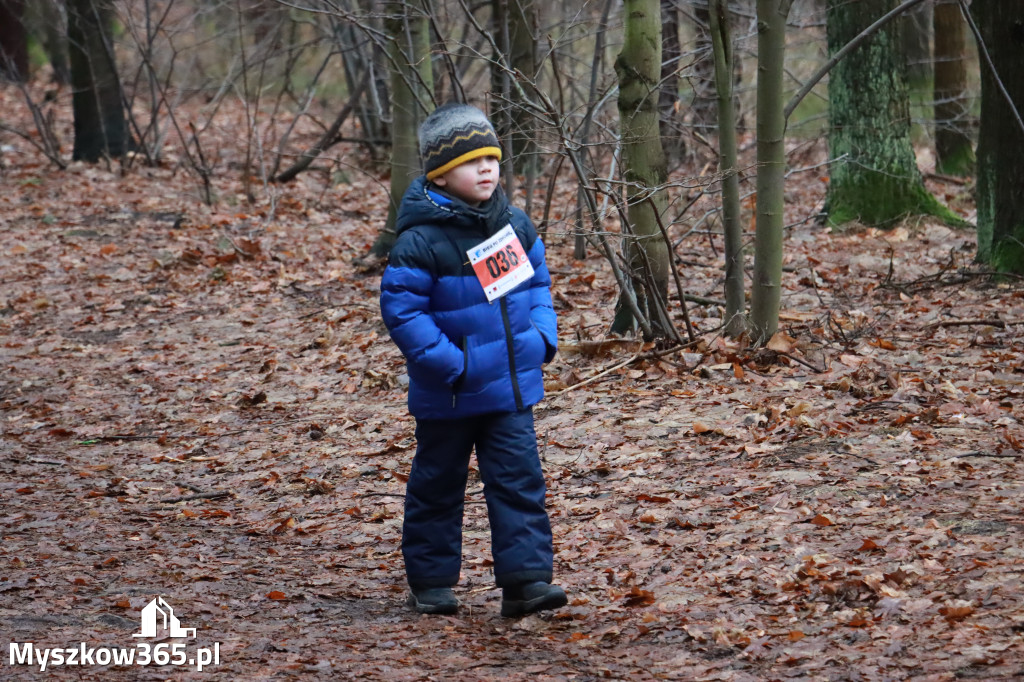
{"points": [[197, 496], [1002, 324]]}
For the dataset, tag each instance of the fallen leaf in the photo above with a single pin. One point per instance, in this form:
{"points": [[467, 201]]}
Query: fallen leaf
{"points": [[643, 497], [285, 525], [638, 597], [799, 409], [859, 621], [781, 343], [957, 611]]}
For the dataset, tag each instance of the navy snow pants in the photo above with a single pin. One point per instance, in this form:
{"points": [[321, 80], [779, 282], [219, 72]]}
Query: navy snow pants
{"points": [[506, 452]]}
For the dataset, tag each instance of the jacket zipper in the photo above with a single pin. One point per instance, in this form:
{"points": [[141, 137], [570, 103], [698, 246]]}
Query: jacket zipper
{"points": [[511, 352]]}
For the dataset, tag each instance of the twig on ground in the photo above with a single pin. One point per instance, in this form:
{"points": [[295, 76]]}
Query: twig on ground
{"points": [[197, 496], [963, 276], [593, 346], [806, 364], [863, 457], [34, 460], [205, 436], [602, 373], [946, 178], [879, 405], [703, 300], [1002, 324], [979, 453]]}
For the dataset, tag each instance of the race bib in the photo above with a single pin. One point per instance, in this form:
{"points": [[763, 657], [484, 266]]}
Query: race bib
{"points": [[500, 263]]}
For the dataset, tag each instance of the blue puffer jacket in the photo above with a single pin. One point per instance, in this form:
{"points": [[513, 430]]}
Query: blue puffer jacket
{"points": [[465, 356]]}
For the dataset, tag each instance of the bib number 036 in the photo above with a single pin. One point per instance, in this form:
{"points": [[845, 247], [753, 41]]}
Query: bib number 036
{"points": [[500, 263]]}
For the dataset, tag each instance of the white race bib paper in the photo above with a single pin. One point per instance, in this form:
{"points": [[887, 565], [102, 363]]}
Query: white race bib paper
{"points": [[500, 263]]}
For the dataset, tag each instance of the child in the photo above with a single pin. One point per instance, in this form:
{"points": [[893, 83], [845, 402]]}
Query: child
{"points": [[466, 297]]}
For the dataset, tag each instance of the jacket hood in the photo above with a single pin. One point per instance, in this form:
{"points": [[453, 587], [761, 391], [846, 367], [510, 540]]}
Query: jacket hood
{"points": [[425, 203]]}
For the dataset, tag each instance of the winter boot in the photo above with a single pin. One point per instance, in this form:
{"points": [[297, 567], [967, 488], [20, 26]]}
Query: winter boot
{"points": [[440, 600], [530, 598]]}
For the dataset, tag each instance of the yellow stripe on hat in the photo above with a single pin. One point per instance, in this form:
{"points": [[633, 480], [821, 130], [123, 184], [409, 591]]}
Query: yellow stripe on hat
{"points": [[468, 156]]}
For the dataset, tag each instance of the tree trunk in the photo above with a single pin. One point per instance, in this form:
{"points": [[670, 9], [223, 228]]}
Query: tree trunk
{"points": [[954, 152], [639, 69], [47, 21], [13, 41], [874, 176], [100, 129], [523, 25], [703, 79], [766, 291], [668, 97], [917, 44], [721, 39], [501, 90], [596, 67], [412, 83], [360, 56], [1001, 136], [266, 19]]}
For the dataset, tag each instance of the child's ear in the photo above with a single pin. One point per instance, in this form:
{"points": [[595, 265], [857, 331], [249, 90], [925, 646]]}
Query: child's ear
{"points": [[440, 181]]}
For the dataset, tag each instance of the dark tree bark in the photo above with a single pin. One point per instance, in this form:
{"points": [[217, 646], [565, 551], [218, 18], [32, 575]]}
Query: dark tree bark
{"points": [[732, 230], [875, 178], [501, 90], [411, 85], [954, 151], [1001, 135], [523, 24], [47, 22], [13, 41], [703, 80], [514, 26], [644, 169], [266, 19], [917, 43], [358, 56], [100, 129], [669, 106]]}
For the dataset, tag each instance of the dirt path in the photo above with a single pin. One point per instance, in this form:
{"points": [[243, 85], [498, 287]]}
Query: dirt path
{"points": [[203, 407]]}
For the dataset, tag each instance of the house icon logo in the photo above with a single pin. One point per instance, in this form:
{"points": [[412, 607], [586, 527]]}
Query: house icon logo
{"points": [[158, 618]]}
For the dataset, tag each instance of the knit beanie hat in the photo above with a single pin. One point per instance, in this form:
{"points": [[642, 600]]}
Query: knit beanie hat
{"points": [[454, 134]]}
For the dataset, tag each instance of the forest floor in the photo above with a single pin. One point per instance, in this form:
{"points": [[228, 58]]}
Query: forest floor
{"points": [[202, 403]]}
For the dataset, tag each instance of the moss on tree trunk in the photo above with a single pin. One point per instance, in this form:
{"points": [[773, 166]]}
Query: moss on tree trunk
{"points": [[874, 177], [1000, 138], [644, 167], [954, 152]]}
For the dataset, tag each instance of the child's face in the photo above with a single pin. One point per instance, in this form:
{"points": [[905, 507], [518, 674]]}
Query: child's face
{"points": [[474, 181]]}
